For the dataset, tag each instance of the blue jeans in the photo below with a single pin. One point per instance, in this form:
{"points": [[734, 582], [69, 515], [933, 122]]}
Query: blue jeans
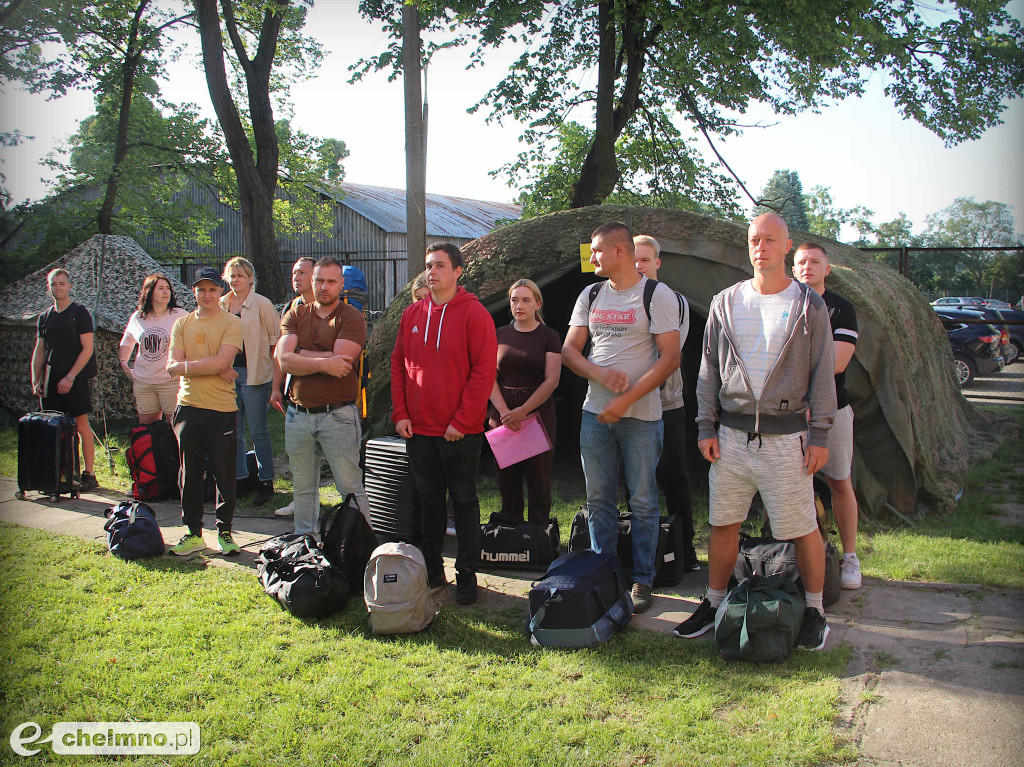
{"points": [[253, 402], [636, 445], [336, 435]]}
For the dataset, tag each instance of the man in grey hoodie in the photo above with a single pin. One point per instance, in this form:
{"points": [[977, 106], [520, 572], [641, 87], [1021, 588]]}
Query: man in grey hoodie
{"points": [[766, 399]]}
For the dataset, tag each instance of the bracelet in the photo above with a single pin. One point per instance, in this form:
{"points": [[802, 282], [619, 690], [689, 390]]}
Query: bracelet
{"points": [[186, 367]]}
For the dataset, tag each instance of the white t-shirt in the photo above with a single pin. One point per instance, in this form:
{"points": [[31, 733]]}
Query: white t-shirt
{"points": [[622, 338], [672, 389], [153, 335], [759, 324]]}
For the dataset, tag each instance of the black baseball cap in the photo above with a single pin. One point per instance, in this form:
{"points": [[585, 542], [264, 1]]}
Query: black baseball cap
{"points": [[208, 273]]}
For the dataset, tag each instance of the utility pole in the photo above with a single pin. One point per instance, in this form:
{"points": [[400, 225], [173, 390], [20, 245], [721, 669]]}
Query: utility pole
{"points": [[415, 147]]}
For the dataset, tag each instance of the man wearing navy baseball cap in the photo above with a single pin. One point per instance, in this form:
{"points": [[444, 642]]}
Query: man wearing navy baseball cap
{"points": [[203, 347]]}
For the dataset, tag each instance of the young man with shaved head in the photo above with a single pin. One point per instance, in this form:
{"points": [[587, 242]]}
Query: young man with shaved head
{"points": [[811, 267], [633, 351], [766, 372]]}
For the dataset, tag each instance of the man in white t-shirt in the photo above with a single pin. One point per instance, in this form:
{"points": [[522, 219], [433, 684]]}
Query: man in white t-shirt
{"points": [[766, 400], [631, 355]]}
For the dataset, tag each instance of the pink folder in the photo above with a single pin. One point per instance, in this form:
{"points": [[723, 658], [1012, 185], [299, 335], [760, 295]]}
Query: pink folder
{"points": [[511, 447]]}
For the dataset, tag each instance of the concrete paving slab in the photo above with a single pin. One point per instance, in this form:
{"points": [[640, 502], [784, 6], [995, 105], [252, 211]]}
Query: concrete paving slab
{"points": [[1002, 611], [890, 603], [924, 722]]}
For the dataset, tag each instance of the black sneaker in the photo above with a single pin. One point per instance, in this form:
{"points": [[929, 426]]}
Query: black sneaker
{"points": [[88, 482], [465, 587], [690, 562], [703, 618], [814, 630], [265, 492], [641, 595], [437, 581]]}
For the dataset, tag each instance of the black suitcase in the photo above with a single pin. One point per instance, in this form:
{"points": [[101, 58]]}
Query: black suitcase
{"points": [[522, 546], [391, 491], [47, 454]]}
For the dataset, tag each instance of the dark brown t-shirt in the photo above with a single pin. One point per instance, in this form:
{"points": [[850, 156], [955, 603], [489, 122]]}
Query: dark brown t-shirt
{"points": [[522, 357], [317, 334]]}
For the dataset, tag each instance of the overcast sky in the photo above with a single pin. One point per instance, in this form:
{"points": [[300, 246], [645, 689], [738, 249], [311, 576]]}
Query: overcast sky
{"points": [[861, 149]]}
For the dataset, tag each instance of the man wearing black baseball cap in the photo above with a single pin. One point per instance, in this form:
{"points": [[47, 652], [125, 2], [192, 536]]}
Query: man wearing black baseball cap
{"points": [[203, 346]]}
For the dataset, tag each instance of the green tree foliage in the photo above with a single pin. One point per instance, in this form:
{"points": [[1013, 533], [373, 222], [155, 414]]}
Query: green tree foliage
{"points": [[784, 194], [167, 153], [267, 51], [971, 224], [547, 182], [950, 68]]}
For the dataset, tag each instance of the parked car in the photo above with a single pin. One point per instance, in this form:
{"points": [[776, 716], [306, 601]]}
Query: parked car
{"points": [[1006, 347], [952, 302], [995, 303], [975, 349], [1016, 332]]}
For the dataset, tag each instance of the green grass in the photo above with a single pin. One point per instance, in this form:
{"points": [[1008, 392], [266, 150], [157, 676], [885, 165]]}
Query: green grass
{"points": [[87, 637], [968, 545]]}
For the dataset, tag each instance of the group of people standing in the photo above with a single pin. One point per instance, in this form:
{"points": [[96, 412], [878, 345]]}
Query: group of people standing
{"points": [[771, 381]]}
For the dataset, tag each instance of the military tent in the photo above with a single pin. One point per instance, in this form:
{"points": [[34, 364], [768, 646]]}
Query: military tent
{"points": [[915, 433], [107, 273]]}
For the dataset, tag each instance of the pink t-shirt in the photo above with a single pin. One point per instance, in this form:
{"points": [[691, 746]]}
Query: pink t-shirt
{"points": [[153, 336]]}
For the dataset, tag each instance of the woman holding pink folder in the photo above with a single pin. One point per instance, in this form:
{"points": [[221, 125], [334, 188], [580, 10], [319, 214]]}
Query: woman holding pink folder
{"points": [[529, 365]]}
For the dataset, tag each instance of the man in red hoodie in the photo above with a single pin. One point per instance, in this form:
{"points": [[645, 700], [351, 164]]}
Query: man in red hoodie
{"points": [[442, 372]]}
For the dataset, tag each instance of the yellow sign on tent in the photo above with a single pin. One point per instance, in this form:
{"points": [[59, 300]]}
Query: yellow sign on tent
{"points": [[585, 265]]}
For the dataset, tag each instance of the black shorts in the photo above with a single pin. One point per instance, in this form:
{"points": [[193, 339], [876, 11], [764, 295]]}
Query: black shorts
{"points": [[76, 402]]}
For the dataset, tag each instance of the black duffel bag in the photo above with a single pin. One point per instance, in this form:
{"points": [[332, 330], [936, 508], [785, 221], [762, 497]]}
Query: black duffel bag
{"points": [[668, 560], [519, 546], [132, 531], [294, 572]]}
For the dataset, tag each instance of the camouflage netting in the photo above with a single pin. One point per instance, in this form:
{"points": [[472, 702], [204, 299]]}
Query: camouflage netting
{"points": [[915, 433], [107, 273]]}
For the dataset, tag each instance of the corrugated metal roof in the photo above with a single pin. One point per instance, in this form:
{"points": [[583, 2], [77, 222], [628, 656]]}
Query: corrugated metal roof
{"points": [[446, 216]]}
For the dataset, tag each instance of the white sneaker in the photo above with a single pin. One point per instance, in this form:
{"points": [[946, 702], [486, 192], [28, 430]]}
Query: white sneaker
{"points": [[289, 511], [850, 571]]}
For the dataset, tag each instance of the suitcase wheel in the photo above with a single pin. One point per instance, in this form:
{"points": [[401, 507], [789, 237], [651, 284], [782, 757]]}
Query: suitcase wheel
{"points": [[54, 498], [20, 495]]}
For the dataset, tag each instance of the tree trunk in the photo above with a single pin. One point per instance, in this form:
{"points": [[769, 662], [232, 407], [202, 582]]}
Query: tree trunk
{"points": [[129, 67], [600, 172], [256, 175]]}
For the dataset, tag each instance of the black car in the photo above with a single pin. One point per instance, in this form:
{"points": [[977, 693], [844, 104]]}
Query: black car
{"points": [[1016, 332], [975, 348], [993, 318]]}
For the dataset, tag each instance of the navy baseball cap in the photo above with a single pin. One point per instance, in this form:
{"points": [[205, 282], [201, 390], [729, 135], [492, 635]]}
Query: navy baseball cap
{"points": [[208, 273]]}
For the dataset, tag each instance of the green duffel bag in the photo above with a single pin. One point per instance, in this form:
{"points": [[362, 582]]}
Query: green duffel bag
{"points": [[760, 619]]}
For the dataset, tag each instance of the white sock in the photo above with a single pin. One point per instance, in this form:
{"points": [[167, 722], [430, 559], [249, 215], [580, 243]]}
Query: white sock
{"points": [[717, 596], [814, 600]]}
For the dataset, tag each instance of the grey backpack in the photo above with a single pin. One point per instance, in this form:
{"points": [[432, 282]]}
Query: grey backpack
{"points": [[396, 591]]}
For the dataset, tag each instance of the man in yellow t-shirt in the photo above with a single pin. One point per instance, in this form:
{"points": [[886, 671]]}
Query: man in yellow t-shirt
{"points": [[203, 347]]}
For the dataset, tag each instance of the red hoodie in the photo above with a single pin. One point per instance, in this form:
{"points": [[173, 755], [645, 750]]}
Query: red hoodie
{"points": [[443, 365]]}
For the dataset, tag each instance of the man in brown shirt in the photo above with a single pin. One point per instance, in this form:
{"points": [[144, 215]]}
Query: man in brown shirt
{"points": [[319, 347]]}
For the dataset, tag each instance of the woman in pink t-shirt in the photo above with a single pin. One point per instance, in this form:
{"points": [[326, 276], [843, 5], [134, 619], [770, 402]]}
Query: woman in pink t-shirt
{"points": [[149, 330]]}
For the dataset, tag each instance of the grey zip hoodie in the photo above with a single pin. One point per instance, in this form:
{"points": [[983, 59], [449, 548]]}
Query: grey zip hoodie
{"points": [[801, 379]]}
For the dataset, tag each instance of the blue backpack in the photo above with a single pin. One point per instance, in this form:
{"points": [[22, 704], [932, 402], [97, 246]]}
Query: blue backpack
{"points": [[355, 292], [582, 600], [132, 531]]}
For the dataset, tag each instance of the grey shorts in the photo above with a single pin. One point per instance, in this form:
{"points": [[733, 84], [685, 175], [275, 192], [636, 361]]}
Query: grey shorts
{"points": [[771, 464], [840, 445]]}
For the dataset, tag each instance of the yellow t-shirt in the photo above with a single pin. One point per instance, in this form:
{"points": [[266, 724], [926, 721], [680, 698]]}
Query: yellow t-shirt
{"points": [[201, 337]]}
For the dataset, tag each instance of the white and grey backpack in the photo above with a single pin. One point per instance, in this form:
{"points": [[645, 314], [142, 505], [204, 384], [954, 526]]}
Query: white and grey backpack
{"points": [[396, 591]]}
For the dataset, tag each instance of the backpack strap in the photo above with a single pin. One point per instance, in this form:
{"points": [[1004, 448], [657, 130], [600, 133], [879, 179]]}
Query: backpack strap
{"points": [[649, 289]]}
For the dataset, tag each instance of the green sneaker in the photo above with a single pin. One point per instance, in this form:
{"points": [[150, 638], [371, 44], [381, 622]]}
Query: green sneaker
{"points": [[227, 545], [189, 544]]}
